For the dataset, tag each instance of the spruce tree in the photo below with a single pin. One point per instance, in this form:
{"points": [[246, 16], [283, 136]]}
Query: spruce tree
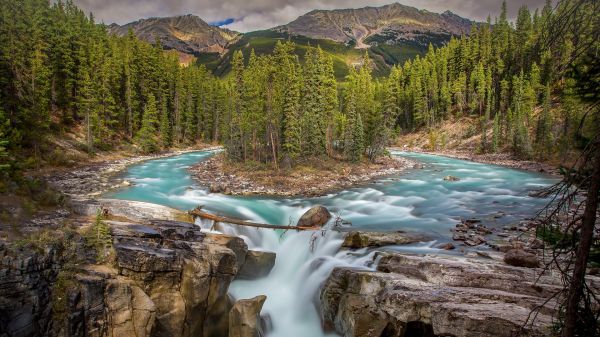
{"points": [[146, 137]]}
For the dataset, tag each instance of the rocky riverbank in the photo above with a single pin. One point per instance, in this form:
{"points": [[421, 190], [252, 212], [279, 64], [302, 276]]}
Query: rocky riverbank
{"points": [[500, 159], [222, 176], [440, 295], [91, 180]]}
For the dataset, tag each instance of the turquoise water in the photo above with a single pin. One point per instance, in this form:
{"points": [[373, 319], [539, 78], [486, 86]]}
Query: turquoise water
{"points": [[418, 200]]}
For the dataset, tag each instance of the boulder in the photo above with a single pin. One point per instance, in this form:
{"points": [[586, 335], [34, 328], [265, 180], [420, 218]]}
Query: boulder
{"points": [[451, 178], [244, 317], [258, 264], [521, 258], [219, 188], [315, 216], [446, 246], [357, 239]]}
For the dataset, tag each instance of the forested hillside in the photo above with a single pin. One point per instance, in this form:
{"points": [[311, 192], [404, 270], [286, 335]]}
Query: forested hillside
{"points": [[60, 70], [511, 76]]}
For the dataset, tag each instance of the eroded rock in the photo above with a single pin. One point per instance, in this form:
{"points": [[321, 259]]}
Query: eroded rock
{"points": [[257, 264], [244, 317], [436, 296]]}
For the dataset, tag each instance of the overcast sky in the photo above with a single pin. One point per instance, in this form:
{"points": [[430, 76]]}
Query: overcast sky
{"points": [[251, 15]]}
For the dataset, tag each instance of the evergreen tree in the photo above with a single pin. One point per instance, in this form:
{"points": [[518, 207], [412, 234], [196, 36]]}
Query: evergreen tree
{"points": [[544, 138], [146, 136]]}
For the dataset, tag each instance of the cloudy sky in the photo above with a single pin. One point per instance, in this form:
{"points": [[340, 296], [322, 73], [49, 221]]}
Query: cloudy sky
{"points": [[248, 15]]}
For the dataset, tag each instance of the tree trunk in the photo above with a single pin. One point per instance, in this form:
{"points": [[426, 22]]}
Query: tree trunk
{"points": [[583, 251]]}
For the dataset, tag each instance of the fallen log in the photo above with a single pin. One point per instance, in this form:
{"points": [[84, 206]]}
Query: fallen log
{"points": [[198, 213]]}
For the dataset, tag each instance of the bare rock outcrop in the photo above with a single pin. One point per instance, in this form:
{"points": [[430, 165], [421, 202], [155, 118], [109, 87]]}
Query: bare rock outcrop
{"points": [[437, 296], [359, 239], [167, 279]]}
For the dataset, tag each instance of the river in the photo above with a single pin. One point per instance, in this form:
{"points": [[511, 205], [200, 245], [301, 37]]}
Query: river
{"points": [[418, 200]]}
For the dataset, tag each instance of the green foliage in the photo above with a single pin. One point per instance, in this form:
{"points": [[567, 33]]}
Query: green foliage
{"points": [[98, 238]]}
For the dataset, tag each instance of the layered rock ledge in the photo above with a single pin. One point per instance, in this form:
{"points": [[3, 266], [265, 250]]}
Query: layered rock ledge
{"points": [[410, 295], [165, 278]]}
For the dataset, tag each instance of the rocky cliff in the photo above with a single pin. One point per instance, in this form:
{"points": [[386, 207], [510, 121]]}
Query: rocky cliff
{"points": [[416, 295], [165, 278]]}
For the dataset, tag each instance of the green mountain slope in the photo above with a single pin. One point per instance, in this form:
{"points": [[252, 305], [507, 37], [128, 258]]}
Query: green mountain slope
{"points": [[344, 56]]}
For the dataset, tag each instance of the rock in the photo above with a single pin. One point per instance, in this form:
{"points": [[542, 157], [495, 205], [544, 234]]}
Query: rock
{"points": [[536, 243], [286, 163], [451, 178], [244, 317], [315, 216], [258, 264], [171, 280], [521, 258], [416, 295], [446, 246], [136, 211], [357, 239], [458, 237], [219, 188]]}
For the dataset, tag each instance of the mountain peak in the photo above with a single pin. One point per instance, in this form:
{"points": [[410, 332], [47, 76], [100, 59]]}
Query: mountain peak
{"points": [[369, 26], [187, 33]]}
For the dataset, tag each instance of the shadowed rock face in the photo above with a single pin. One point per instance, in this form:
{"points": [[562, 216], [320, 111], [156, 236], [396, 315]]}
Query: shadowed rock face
{"points": [[387, 24], [168, 279], [188, 33], [437, 296]]}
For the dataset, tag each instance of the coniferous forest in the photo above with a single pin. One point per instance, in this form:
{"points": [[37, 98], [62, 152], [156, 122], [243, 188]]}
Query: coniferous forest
{"points": [[59, 69]]}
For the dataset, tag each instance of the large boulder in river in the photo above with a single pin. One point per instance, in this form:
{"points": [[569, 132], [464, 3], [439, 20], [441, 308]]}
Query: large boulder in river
{"points": [[521, 258], [244, 317], [257, 264], [357, 239], [315, 216]]}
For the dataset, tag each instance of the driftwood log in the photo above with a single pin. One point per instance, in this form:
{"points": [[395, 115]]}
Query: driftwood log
{"points": [[199, 213]]}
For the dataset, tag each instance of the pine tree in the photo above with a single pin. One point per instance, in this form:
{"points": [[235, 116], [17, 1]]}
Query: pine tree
{"points": [[496, 134], [544, 138], [146, 136], [86, 105], [165, 124]]}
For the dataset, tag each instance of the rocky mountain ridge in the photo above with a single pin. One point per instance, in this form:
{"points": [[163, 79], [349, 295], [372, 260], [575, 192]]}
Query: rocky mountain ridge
{"points": [[187, 33], [364, 27]]}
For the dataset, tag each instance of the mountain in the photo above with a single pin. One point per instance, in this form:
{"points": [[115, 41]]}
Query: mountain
{"points": [[369, 26], [391, 34], [188, 34]]}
